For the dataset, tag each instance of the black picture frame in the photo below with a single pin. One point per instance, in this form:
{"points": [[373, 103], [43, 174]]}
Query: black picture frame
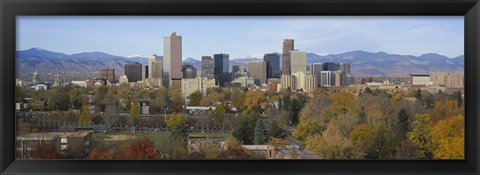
{"points": [[470, 9]]}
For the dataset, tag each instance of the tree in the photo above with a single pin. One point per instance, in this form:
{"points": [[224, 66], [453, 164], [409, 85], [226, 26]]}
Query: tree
{"points": [[19, 94], [176, 100], [458, 97], [178, 149], [135, 110], [210, 150], [444, 109], [421, 136], [85, 116], [418, 94], [245, 127], [98, 153], [195, 98], [314, 118], [265, 130], [232, 143], [142, 150], [45, 151], [59, 101], [362, 139], [219, 114], [256, 99], [233, 154], [403, 123], [345, 102], [175, 119], [179, 132], [329, 145], [261, 131], [397, 96], [448, 137]]}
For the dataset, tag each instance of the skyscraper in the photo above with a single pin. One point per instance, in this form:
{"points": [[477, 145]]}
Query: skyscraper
{"points": [[208, 66], [156, 69], [273, 65], [133, 72], [298, 61], [345, 67], [172, 58], [328, 66], [258, 71], [328, 78], [108, 74], [288, 45], [146, 71], [221, 72], [189, 71], [316, 70], [151, 60]]}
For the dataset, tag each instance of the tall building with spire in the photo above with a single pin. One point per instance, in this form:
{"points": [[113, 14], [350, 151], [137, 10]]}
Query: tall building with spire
{"points": [[172, 59], [288, 46]]}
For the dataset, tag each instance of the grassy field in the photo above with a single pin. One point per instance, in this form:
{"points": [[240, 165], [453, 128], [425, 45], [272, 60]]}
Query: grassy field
{"points": [[158, 138]]}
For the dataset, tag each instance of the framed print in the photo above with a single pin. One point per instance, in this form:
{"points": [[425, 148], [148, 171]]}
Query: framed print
{"points": [[239, 87]]}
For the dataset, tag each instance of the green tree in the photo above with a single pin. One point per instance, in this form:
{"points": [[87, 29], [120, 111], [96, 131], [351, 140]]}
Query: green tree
{"points": [[245, 127], [418, 94], [421, 135], [135, 110], [178, 142], [59, 101], [219, 114], [19, 94], [331, 144], [458, 97], [85, 116], [176, 119], [195, 98], [403, 123], [179, 132]]}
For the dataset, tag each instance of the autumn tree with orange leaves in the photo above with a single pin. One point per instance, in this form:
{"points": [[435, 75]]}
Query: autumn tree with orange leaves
{"points": [[142, 150], [45, 151], [99, 153]]}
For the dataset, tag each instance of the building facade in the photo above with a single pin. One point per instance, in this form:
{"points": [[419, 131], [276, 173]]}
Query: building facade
{"points": [[316, 70], [298, 61], [190, 86], [221, 69], [172, 58], [208, 66], [327, 78], [273, 65], [288, 45], [108, 74], [189, 71], [258, 71], [288, 82], [420, 79], [133, 72]]}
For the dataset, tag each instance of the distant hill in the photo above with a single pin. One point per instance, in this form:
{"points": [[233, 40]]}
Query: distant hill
{"points": [[362, 63]]}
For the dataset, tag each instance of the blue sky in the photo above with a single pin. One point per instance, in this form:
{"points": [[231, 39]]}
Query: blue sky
{"points": [[243, 36]]}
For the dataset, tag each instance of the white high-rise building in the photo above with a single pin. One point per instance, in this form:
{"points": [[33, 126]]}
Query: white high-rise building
{"points": [[189, 86]]}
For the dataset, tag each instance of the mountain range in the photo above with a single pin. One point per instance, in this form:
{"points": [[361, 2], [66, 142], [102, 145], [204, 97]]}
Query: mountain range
{"points": [[362, 63]]}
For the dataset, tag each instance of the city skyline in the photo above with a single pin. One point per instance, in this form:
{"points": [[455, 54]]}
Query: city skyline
{"points": [[320, 35]]}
